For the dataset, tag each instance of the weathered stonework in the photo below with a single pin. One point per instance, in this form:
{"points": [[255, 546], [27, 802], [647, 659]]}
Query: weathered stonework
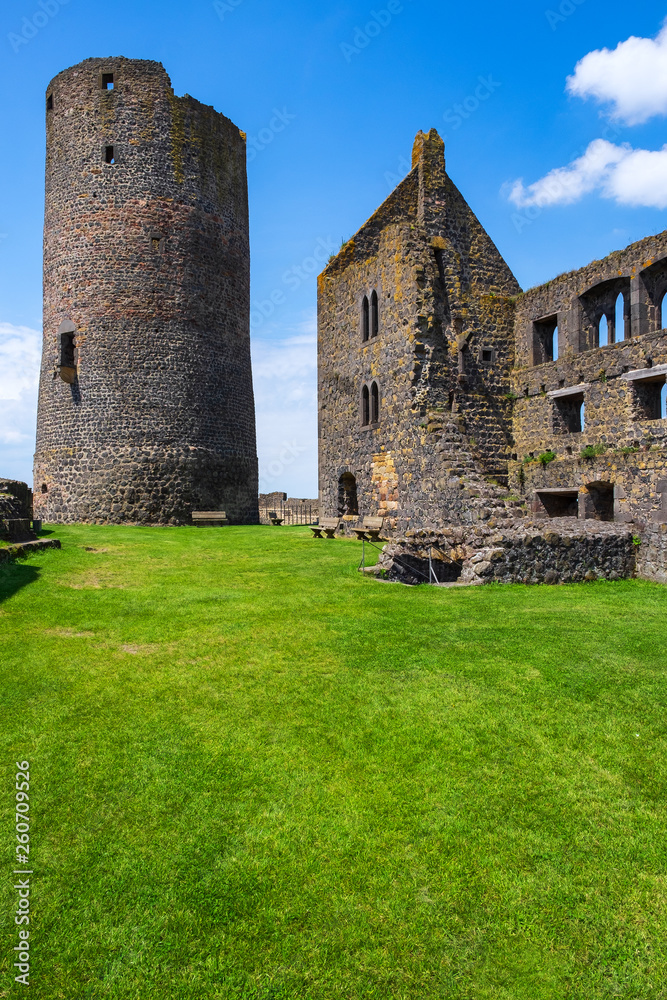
{"points": [[559, 392], [619, 385], [563, 551], [15, 511], [146, 403], [443, 348]]}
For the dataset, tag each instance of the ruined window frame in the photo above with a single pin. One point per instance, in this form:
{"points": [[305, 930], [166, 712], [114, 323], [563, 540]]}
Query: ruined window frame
{"points": [[365, 320], [375, 314], [375, 404], [365, 406]]}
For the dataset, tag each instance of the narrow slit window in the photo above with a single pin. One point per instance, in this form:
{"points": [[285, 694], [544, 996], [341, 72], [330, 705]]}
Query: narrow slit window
{"points": [[603, 332], [554, 345], [109, 154], [375, 316], [67, 350], [375, 403], [619, 319], [365, 406], [663, 312], [365, 319], [663, 402], [49, 102], [155, 243], [107, 81]]}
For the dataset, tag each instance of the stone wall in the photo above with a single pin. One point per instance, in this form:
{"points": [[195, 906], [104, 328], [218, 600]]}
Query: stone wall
{"points": [[442, 354], [563, 551], [15, 511], [623, 440], [652, 553], [146, 403], [19, 495]]}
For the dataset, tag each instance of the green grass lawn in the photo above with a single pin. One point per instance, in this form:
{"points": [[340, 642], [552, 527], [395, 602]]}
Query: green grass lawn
{"points": [[257, 774]]}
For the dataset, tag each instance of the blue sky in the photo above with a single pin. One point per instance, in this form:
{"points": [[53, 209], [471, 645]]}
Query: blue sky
{"points": [[331, 95]]}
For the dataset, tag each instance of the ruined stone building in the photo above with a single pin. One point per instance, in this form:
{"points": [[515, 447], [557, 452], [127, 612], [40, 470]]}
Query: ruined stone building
{"points": [[441, 384], [146, 407]]}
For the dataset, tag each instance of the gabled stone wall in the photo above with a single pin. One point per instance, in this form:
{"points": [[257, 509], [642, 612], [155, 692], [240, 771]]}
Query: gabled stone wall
{"points": [[443, 352]]}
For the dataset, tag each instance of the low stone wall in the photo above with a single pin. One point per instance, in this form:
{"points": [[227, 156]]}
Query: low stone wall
{"points": [[562, 550], [10, 552], [652, 553]]}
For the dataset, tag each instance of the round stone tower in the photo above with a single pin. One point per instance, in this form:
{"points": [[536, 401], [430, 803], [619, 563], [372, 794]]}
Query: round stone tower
{"points": [[146, 408]]}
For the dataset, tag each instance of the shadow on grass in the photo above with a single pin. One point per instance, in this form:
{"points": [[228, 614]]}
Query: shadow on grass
{"points": [[14, 576]]}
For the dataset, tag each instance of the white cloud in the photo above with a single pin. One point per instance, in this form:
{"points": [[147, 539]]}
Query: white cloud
{"points": [[285, 381], [635, 177], [20, 353], [632, 78]]}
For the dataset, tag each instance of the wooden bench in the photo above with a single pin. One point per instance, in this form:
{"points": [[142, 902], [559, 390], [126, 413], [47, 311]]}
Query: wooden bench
{"points": [[274, 519], [328, 525], [370, 529], [209, 518]]}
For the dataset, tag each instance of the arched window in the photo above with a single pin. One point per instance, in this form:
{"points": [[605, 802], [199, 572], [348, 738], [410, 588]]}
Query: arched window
{"points": [[365, 406], [364, 319], [603, 331], [375, 316], [347, 495], [375, 403], [619, 320], [663, 312], [554, 345]]}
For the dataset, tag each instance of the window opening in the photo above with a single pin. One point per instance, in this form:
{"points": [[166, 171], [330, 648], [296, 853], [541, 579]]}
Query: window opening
{"points": [[663, 312], [545, 340], [45, 488], [365, 406], [155, 242], [561, 503], [375, 403], [49, 102], [375, 318], [487, 355], [663, 402], [67, 350], [364, 319], [569, 415], [109, 155], [650, 398], [347, 495], [619, 318], [107, 81], [603, 332], [582, 416], [598, 503]]}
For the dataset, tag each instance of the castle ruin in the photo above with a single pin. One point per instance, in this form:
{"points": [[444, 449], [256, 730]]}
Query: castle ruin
{"points": [[146, 407], [441, 385]]}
